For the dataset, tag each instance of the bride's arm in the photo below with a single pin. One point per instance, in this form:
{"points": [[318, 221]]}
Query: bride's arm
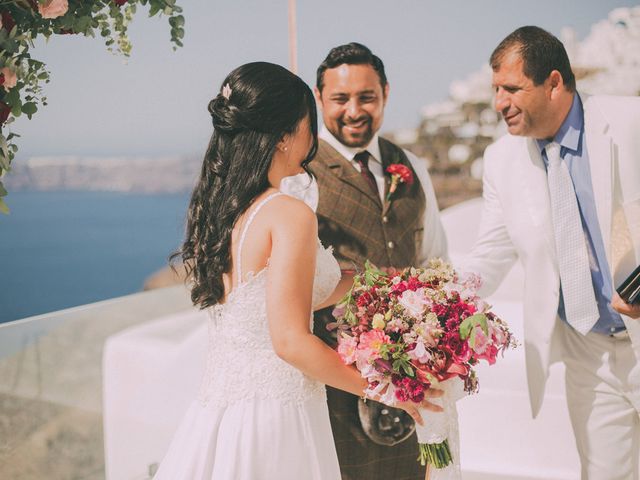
{"points": [[344, 285], [289, 291]]}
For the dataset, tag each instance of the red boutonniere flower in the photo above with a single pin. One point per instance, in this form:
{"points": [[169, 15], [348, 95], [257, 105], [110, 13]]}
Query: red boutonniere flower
{"points": [[399, 174]]}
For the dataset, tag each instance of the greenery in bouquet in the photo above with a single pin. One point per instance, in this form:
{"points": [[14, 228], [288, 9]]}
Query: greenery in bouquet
{"points": [[417, 328], [22, 76]]}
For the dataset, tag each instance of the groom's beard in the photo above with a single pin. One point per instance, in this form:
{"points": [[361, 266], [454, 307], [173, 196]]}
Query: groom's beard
{"points": [[354, 133]]}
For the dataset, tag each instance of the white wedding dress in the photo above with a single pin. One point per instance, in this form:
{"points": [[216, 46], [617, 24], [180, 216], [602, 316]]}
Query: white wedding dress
{"points": [[256, 417]]}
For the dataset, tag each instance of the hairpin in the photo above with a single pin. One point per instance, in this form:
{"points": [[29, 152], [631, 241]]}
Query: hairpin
{"points": [[226, 91]]}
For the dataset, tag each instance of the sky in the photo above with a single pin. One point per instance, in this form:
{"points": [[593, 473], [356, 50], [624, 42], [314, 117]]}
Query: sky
{"points": [[154, 103]]}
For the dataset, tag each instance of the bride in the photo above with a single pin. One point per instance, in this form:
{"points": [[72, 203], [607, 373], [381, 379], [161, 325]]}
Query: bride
{"points": [[256, 263]]}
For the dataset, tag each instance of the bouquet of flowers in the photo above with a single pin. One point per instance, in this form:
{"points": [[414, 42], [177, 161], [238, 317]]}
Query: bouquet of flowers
{"points": [[417, 328]]}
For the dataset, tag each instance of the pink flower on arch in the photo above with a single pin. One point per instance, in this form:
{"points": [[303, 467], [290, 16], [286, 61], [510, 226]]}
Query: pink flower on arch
{"points": [[9, 78], [53, 8]]}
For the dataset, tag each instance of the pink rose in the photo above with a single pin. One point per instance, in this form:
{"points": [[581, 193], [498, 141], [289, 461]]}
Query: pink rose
{"points": [[347, 346], [373, 340], [9, 78], [53, 8]]}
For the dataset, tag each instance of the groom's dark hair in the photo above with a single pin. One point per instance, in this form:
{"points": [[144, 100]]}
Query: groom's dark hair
{"points": [[350, 54], [541, 53]]}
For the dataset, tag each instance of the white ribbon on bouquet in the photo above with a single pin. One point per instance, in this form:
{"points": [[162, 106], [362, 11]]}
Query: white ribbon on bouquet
{"points": [[441, 426]]}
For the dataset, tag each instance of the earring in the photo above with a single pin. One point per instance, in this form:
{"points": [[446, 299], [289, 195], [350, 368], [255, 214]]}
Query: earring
{"points": [[284, 149]]}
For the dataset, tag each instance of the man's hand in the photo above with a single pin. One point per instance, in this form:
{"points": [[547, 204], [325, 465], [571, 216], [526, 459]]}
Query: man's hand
{"points": [[412, 408], [620, 306]]}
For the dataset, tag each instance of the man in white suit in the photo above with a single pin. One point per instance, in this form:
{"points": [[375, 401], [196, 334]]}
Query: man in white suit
{"points": [[562, 194]]}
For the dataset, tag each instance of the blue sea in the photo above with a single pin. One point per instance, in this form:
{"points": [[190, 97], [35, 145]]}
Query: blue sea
{"points": [[63, 249]]}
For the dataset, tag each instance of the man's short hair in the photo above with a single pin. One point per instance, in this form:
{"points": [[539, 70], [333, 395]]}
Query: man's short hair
{"points": [[541, 53], [351, 54]]}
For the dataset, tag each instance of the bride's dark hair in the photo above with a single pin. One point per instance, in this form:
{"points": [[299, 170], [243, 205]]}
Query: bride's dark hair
{"points": [[257, 105]]}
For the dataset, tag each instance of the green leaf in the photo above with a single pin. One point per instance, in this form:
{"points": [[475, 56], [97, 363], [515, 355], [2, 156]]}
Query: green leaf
{"points": [[404, 365], [177, 21], [4, 154], [29, 108], [469, 323], [3, 206], [350, 317], [5, 159]]}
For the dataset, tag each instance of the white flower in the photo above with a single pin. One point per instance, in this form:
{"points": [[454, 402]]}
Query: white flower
{"points": [[419, 353], [378, 321], [414, 303]]}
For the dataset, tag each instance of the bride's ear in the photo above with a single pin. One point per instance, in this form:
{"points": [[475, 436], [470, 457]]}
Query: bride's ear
{"points": [[283, 144]]}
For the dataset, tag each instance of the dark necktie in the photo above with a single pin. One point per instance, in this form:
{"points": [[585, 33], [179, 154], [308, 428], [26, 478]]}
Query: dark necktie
{"points": [[362, 159]]}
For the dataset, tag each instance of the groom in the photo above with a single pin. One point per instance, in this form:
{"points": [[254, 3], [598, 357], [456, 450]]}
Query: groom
{"points": [[360, 219], [562, 195]]}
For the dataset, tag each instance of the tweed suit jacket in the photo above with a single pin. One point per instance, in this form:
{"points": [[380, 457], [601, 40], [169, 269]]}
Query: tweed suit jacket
{"points": [[356, 222]]}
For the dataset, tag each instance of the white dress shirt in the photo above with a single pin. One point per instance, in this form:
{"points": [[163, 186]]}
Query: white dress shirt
{"points": [[434, 242]]}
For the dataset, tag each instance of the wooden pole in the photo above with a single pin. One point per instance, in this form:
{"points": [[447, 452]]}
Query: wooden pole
{"points": [[427, 475], [293, 45]]}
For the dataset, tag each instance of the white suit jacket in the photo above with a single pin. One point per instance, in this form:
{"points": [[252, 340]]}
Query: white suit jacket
{"points": [[516, 223]]}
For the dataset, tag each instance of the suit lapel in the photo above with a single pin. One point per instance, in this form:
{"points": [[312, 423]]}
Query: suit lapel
{"points": [[344, 170], [600, 151]]}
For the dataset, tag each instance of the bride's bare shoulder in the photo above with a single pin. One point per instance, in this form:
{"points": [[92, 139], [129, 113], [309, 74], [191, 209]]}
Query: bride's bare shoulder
{"points": [[287, 212]]}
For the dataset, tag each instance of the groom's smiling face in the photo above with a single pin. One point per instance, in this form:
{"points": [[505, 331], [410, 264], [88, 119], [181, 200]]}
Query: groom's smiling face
{"points": [[352, 101]]}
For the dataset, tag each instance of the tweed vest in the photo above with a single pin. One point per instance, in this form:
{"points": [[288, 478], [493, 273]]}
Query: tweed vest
{"points": [[354, 220]]}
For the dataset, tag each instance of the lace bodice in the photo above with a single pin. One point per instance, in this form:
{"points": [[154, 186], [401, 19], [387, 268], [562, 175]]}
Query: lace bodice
{"points": [[241, 362]]}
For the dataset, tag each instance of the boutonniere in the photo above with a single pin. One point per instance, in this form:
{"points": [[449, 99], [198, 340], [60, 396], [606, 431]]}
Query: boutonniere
{"points": [[399, 174]]}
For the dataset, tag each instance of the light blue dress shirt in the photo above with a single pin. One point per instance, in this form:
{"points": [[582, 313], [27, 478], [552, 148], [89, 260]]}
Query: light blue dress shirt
{"points": [[573, 151]]}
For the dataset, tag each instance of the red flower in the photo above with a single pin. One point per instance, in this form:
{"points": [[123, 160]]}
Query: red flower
{"points": [[404, 172], [459, 349], [5, 110], [399, 174], [120, 2], [7, 21]]}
